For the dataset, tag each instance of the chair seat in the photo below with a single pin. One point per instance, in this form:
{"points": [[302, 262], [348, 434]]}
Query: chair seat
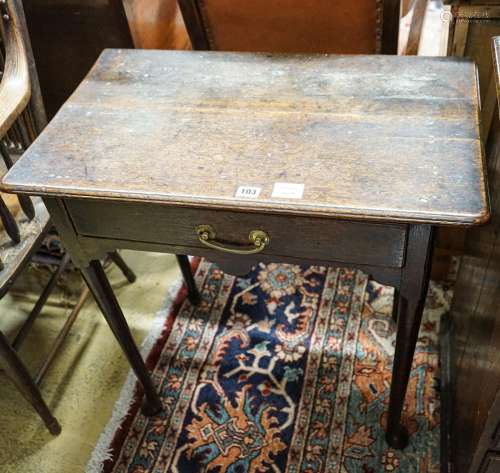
{"points": [[16, 256]]}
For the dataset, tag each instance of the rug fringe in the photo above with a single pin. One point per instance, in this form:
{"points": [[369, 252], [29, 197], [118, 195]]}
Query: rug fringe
{"points": [[102, 451]]}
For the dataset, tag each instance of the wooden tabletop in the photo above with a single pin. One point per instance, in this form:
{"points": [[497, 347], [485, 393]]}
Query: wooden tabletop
{"points": [[363, 137]]}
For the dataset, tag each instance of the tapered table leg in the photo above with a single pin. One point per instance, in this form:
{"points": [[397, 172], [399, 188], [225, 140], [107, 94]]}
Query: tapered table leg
{"points": [[27, 387], [193, 293], [395, 305], [413, 291], [100, 287]]}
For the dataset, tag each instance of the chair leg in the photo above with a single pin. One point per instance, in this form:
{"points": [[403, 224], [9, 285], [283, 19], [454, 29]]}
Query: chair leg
{"points": [[61, 337], [9, 223], [22, 379], [41, 302], [125, 269], [193, 293], [100, 287]]}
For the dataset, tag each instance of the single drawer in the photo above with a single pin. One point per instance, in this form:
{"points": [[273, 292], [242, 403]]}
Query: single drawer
{"points": [[294, 236]]}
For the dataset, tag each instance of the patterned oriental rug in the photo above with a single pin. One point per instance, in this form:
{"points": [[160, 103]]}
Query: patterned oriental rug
{"points": [[286, 370]]}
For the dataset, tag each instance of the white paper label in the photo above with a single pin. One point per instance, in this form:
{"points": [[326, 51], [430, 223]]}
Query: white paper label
{"points": [[248, 192], [288, 190]]}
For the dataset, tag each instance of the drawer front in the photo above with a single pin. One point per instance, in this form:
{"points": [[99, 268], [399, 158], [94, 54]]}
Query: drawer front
{"points": [[301, 237]]}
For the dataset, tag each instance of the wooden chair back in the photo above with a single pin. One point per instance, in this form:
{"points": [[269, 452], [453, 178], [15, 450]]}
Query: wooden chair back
{"points": [[495, 41], [20, 118], [293, 26]]}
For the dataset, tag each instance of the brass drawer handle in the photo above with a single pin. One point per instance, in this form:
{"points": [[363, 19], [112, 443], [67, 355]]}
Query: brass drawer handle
{"points": [[258, 239]]}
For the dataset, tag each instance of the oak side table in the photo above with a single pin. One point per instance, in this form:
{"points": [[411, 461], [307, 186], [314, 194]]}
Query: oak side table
{"points": [[241, 158]]}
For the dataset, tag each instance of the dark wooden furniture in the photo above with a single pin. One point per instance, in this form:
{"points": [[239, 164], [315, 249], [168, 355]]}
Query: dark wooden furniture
{"points": [[315, 26], [16, 126], [68, 36], [362, 27], [59, 28], [475, 441], [472, 25], [334, 160], [22, 116]]}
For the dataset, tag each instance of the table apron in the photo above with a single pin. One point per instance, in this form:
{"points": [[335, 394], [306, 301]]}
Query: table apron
{"points": [[293, 238]]}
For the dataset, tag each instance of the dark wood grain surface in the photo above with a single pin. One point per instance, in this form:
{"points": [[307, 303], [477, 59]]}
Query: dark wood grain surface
{"points": [[476, 335], [476, 331], [370, 137], [154, 144], [302, 237]]}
